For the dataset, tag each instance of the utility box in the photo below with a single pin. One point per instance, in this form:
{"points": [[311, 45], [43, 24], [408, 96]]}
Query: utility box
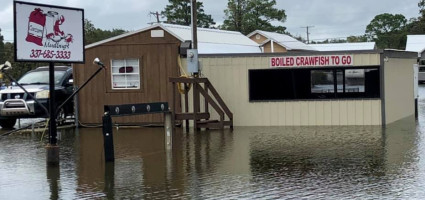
{"points": [[184, 46], [192, 61]]}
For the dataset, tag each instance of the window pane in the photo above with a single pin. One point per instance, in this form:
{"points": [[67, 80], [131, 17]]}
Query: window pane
{"points": [[340, 81], [322, 81], [117, 63], [125, 74], [132, 62], [354, 80]]}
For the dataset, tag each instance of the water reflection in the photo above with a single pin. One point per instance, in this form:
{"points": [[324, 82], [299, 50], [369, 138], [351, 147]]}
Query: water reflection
{"points": [[366, 162]]}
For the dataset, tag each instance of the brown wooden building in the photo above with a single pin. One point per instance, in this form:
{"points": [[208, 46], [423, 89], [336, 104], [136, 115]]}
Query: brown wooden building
{"points": [[138, 67]]}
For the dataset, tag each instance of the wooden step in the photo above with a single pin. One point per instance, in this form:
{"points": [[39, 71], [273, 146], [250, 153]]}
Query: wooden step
{"points": [[207, 121], [184, 116]]}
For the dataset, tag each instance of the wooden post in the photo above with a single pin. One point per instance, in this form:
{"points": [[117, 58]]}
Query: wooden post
{"points": [[196, 105], [169, 130], [205, 98], [186, 108], [194, 25]]}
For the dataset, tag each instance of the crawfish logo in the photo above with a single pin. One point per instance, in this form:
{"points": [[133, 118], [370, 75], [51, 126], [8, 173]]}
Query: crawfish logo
{"points": [[57, 35], [48, 24]]}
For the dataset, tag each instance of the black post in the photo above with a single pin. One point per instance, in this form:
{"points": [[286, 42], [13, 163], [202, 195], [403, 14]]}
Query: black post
{"points": [[108, 140], [52, 103], [52, 148]]}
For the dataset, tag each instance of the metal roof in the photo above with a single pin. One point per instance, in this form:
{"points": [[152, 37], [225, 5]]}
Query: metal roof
{"points": [[286, 41], [344, 46], [209, 40], [415, 43]]}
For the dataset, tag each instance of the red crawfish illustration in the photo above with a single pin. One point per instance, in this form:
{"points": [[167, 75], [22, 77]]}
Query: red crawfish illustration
{"points": [[56, 27]]}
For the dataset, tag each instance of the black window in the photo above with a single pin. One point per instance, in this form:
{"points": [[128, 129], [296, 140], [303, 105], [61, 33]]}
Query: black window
{"points": [[323, 83]]}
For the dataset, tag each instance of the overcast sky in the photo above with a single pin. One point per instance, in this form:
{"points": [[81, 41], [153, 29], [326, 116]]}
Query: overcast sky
{"points": [[329, 18]]}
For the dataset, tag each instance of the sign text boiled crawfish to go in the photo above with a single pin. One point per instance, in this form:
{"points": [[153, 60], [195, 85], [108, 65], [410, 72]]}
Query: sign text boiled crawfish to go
{"points": [[311, 61]]}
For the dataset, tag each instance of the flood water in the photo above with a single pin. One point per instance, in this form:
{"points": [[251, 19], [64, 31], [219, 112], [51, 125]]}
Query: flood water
{"points": [[350, 162]]}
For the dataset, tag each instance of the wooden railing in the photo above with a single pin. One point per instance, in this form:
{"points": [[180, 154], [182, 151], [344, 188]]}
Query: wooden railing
{"points": [[202, 119]]}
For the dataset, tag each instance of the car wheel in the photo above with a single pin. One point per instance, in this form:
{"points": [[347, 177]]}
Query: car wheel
{"points": [[7, 123], [60, 118]]}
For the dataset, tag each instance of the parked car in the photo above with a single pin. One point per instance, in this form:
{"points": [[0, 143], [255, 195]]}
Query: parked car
{"points": [[14, 103]]}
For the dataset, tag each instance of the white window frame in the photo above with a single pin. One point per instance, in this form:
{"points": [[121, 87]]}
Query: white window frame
{"points": [[130, 80]]}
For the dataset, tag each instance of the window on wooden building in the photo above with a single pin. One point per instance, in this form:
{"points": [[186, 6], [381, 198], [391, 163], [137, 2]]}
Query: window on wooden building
{"points": [[125, 74], [313, 83]]}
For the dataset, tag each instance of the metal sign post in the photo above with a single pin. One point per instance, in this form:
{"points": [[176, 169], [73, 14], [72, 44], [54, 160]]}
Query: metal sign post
{"points": [[52, 101]]}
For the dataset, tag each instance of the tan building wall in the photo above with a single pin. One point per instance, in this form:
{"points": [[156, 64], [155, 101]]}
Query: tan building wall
{"points": [[258, 38], [229, 75], [399, 97], [276, 48]]}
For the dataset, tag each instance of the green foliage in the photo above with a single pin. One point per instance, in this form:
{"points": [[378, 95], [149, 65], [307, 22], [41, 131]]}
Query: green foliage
{"points": [[18, 68], [246, 16], [361, 38], [179, 12], [93, 34], [417, 25], [421, 6], [388, 31]]}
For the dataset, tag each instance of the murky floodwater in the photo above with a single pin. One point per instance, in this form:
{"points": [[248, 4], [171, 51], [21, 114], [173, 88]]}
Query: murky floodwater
{"points": [[361, 162]]}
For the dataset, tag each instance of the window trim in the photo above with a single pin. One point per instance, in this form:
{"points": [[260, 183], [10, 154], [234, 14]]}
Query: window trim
{"points": [[119, 67]]}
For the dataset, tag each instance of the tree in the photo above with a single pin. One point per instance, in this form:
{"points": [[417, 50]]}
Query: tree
{"points": [[18, 68], [179, 12], [361, 38], [417, 25], [388, 31], [2, 54], [421, 6], [249, 15], [93, 34]]}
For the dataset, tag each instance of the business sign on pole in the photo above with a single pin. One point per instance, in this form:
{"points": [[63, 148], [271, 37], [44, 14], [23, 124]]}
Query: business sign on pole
{"points": [[47, 33], [312, 61]]}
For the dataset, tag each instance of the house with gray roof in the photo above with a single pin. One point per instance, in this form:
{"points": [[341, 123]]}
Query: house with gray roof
{"points": [[276, 42]]}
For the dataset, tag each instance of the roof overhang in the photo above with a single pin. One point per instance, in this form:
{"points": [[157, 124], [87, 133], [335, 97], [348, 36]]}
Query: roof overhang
{"points": [[133, 33]]}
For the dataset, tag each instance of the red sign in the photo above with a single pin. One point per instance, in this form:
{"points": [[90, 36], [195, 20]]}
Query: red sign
{"points": [[311, 61]]}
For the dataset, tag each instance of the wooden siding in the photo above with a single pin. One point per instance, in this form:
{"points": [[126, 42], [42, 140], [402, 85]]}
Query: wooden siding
{"points": [[157, 62], [229, 75], [260, 40]]}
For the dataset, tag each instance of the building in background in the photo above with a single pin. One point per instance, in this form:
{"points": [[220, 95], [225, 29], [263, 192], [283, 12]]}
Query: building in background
{"points": [[276, 42]]}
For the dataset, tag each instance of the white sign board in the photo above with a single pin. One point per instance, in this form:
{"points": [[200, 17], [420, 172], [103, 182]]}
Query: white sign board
{"points": [[46, 33], [312, 61]]}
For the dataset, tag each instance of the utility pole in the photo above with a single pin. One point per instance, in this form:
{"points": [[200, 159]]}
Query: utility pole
{"points": [[308, 33], [194, 25], [156, 14]]}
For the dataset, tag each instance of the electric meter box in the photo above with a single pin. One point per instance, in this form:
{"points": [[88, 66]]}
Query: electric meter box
{"points": [[192, 61]]}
